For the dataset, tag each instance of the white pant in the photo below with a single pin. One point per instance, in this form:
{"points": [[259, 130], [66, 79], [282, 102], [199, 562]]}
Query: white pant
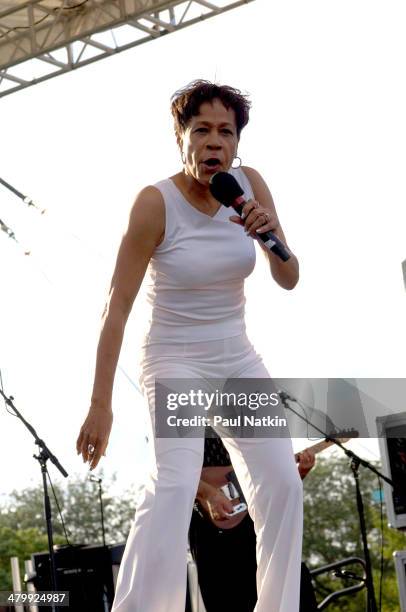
{"points": [[152, 576]]}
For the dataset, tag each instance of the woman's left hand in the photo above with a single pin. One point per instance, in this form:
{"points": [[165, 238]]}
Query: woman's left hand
{"points": [[256, 219]]}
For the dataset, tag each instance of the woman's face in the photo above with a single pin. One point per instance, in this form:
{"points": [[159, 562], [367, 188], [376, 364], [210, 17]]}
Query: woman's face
{"points": [[210, 141]]}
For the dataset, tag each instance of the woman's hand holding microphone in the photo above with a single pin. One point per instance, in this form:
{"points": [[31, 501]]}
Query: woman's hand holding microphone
{"points": [[256, 219]]}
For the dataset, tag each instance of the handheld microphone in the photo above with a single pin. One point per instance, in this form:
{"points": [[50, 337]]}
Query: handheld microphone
{"points": [[225, 188]]}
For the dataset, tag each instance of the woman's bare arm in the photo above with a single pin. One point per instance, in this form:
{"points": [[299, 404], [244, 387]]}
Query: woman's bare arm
{"points": [[285, 273], [145, 228]]}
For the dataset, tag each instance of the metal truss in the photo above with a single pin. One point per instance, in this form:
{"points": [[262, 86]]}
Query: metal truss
{"points": [[40, 39]]}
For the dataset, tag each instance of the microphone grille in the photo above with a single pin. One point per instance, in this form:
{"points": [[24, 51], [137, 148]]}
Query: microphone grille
{"points": [[225, 188]]}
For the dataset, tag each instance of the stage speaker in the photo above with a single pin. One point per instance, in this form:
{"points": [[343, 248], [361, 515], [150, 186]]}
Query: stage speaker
{"points": [[392, 445], [89, 573], [84, 571]]}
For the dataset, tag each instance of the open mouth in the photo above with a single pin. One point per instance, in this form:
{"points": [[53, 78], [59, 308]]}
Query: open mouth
{"points": [[212, 163]]}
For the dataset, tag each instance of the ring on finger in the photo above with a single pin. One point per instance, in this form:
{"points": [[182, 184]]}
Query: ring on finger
{"points": [[90, 449]]}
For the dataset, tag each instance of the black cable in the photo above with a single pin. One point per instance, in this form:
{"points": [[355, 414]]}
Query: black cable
{"points": [[59, 509], [382, 544], [69, 8], [303, 406], [23, 27], [73, 548], [74, 552], [49, 478]]}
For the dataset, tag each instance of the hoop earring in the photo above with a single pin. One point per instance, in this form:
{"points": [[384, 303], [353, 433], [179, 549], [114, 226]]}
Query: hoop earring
{"points": [[183, 157], [239, 165]]}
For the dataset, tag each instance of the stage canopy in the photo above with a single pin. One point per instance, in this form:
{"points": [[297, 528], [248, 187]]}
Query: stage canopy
{"points": [[40, 39]]}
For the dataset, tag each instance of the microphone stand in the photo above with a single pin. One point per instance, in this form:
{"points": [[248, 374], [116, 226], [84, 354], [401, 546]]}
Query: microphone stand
{"points": [[99, 481], [356, 461], [42, 458]]}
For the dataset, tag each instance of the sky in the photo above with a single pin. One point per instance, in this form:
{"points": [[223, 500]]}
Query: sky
{"points": [[327, 132]]}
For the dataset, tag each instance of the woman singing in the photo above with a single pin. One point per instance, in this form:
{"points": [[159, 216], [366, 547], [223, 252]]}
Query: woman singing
{"points": [[199, 257]]}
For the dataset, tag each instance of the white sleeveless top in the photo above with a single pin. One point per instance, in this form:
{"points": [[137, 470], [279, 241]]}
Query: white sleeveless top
{"points": [[197, 273]]}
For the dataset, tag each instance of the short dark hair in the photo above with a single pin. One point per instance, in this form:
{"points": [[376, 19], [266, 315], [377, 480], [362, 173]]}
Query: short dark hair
{"points": [[186, 102]]}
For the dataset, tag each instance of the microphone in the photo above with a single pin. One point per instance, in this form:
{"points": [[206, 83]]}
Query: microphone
{"points": [[285, 396], [225, 188]]}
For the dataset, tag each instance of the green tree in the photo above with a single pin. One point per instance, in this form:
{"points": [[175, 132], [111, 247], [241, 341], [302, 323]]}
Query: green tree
{"points": [[331, 526], [19, 543], [23, 528], [332, 532]]}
